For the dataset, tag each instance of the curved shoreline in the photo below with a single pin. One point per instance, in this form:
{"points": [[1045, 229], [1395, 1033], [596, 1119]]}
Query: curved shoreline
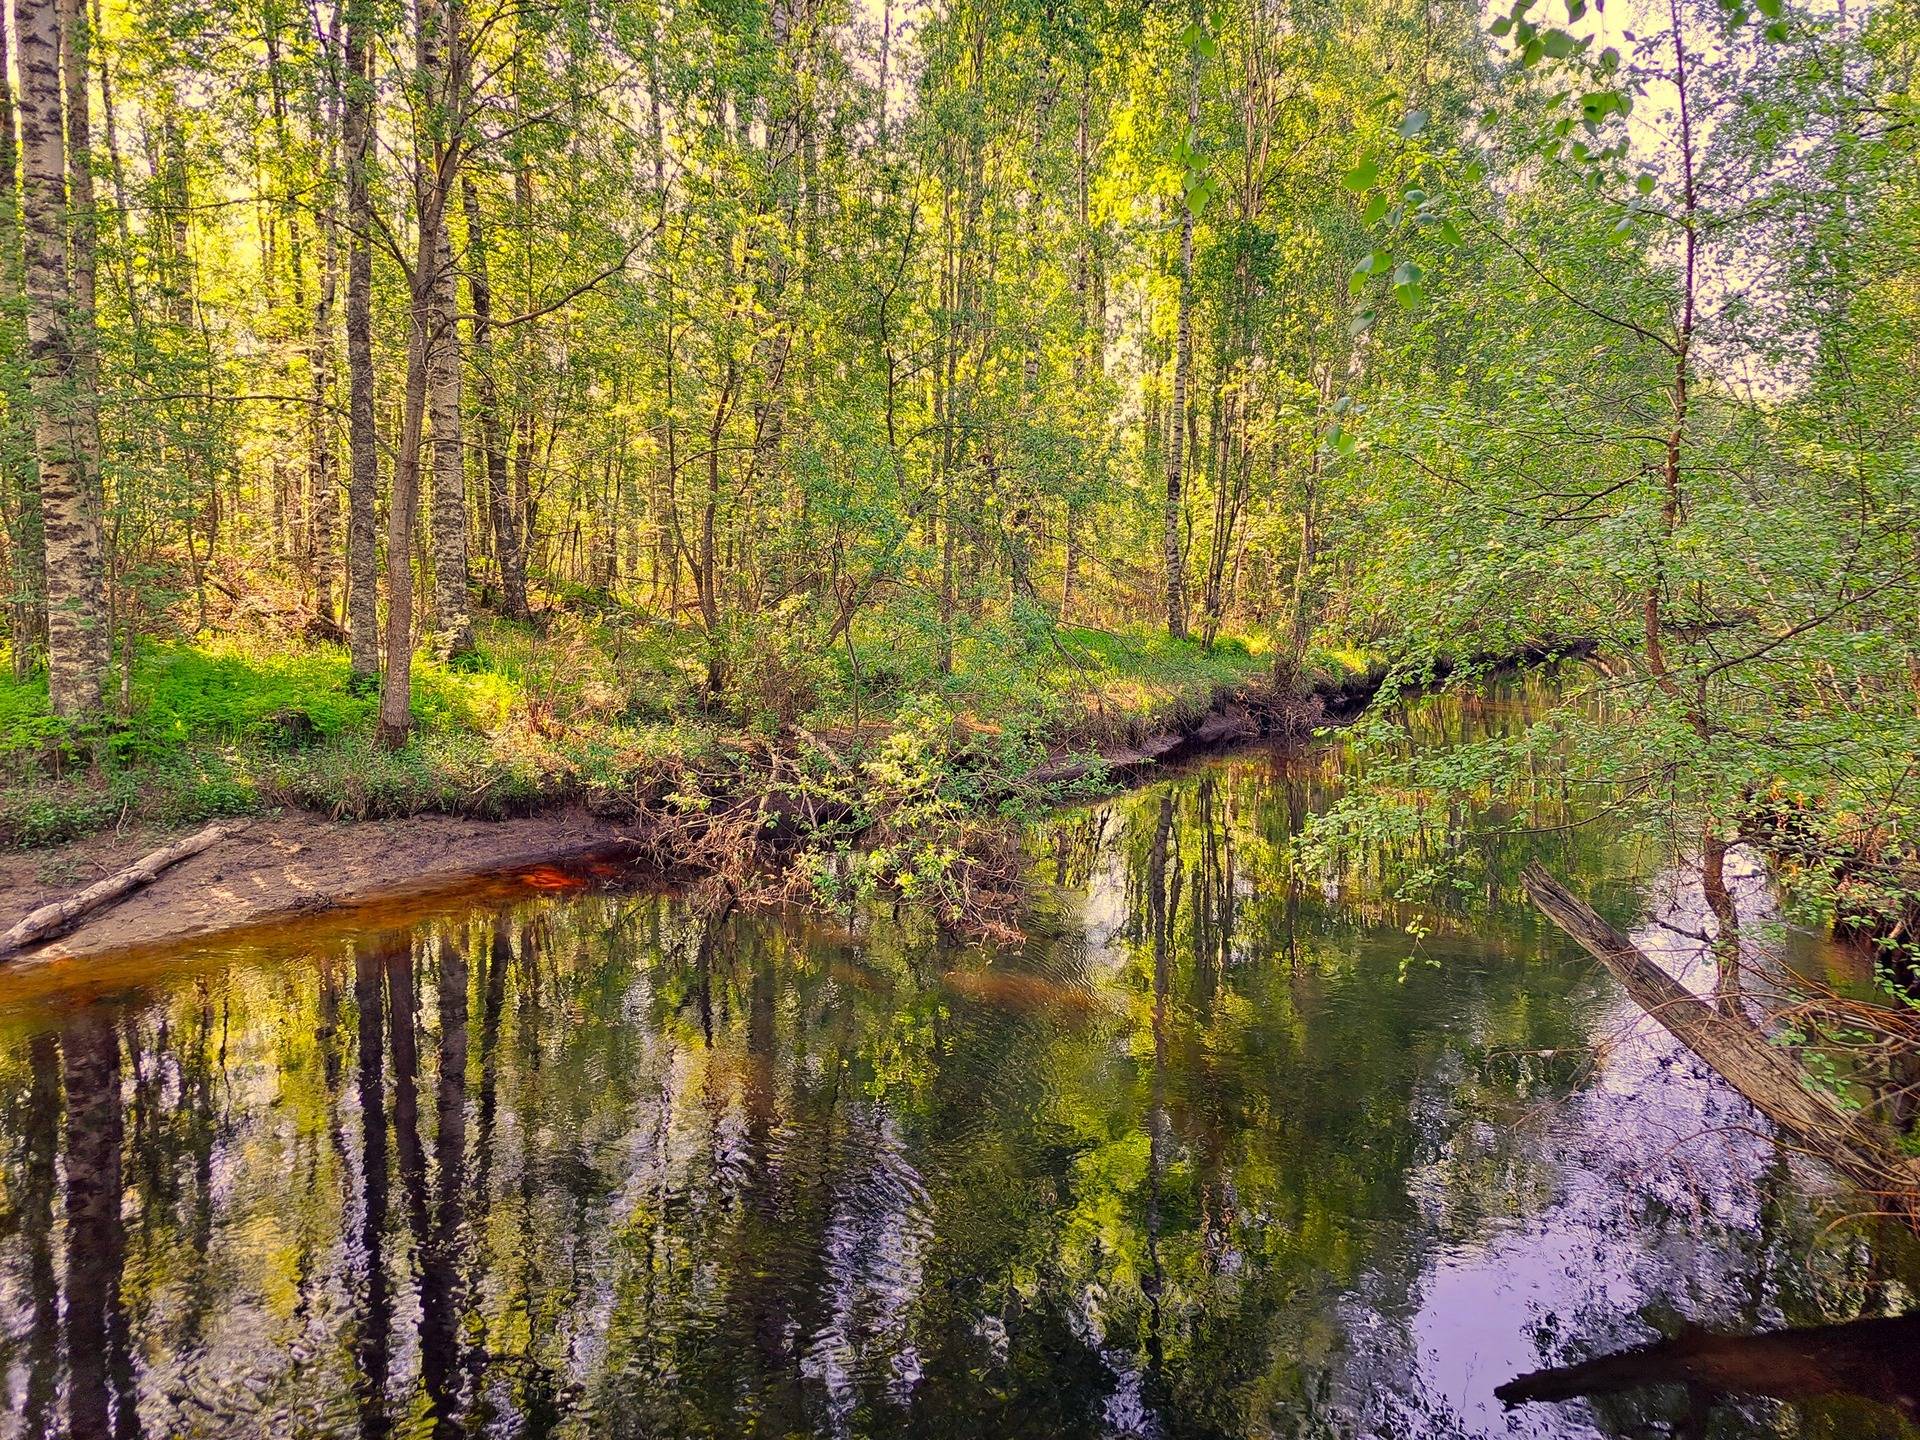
{"points": [[300, 863]]}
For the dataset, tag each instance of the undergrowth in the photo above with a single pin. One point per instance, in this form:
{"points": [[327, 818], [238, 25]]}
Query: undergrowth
{"points": [[606, 706]]}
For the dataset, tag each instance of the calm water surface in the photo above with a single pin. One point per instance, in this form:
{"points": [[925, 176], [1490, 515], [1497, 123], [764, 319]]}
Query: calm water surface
{"points": [[1211, 1155]]}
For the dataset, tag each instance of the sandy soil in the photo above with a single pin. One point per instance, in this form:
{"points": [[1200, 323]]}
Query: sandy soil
{"points": [[288, 866]]}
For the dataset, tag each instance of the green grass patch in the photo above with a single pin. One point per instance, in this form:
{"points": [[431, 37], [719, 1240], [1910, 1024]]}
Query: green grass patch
{"points": [[603, 703]]}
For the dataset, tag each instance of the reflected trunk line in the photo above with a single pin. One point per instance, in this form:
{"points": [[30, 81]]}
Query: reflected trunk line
{"points": [[371, 1345], [765, 1317], [333, 1041], [540, 1385], [404, 1040], [99, 1362], [200, 1057], [1162, 907], [34, 1212], [474, 1222], [439, 1249]]}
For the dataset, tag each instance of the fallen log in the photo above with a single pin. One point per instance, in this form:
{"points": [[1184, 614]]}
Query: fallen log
{"points": [[1769, 1078], [50, 919], [1870, 1358]]}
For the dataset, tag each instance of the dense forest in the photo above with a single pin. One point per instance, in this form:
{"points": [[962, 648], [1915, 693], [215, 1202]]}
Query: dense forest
{"points": [[799, 460], [465, 406]]}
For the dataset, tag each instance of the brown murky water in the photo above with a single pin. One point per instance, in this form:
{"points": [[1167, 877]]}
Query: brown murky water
{"points": [[1213, 1154]]}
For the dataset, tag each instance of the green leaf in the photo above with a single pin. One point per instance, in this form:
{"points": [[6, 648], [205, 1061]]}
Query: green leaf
{"points": [[1407, 273], [1575, 9], [1772, 9], [1415, 122], [1450, 233], [1644, 184], [1778, 30], [1361, 177], [1376, 208], [1356, 284], [1599, 104], [1558, 44], [1501, 26], [1361, 323]]}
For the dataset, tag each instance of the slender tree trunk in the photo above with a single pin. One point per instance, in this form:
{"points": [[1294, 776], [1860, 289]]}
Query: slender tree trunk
{"points": [[83, 231], [363, 472], [396, 697], [1300, 608], [83, 245], [1173, 557], [441, 63], [1084, 347], [524, 337], [452, 623], [323, 461], [94, 1314], [428, 344], [63, 412], [486, 389], [1726, 918], [1678, 396], [19, 471]]}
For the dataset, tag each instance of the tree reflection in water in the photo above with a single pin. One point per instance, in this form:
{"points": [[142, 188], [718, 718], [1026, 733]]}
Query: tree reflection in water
{"points": [[1215, 1153]]}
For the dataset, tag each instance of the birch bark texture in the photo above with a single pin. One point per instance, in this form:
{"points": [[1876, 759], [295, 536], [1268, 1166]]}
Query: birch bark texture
{"points": [[60, 375]]}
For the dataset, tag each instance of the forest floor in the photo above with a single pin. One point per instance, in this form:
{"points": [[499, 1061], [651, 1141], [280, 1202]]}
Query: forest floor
{"points": [[549, 743]]}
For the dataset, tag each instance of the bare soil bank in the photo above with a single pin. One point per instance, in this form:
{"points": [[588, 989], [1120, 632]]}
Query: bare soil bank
{"points": [[289, 865], [305, 864]]}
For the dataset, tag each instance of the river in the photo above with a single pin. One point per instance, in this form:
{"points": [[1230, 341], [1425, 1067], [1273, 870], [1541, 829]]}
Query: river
{"points": [[1213, 1154]]}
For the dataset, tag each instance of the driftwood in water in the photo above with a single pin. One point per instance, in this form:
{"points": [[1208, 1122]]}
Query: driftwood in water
{"points": [[50, 919], [1742, 1055], [1875, 1359]]}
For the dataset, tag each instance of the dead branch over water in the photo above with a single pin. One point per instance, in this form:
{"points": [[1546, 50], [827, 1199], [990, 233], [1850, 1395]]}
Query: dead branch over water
{"points": [[1859, 1147]]}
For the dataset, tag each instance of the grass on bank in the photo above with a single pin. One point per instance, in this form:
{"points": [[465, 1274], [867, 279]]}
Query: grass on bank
{"points": [[592, 706]]}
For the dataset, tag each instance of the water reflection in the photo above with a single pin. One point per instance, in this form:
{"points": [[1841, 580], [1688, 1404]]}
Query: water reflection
{"points": [[1214, 1154]]}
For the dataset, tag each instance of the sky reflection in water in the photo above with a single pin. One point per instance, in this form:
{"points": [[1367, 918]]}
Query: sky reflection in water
{"points": [[1212, 1155]]}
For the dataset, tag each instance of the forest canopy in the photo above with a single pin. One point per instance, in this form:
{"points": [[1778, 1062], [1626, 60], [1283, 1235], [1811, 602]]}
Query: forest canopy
{"points": [[464, 404]]}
